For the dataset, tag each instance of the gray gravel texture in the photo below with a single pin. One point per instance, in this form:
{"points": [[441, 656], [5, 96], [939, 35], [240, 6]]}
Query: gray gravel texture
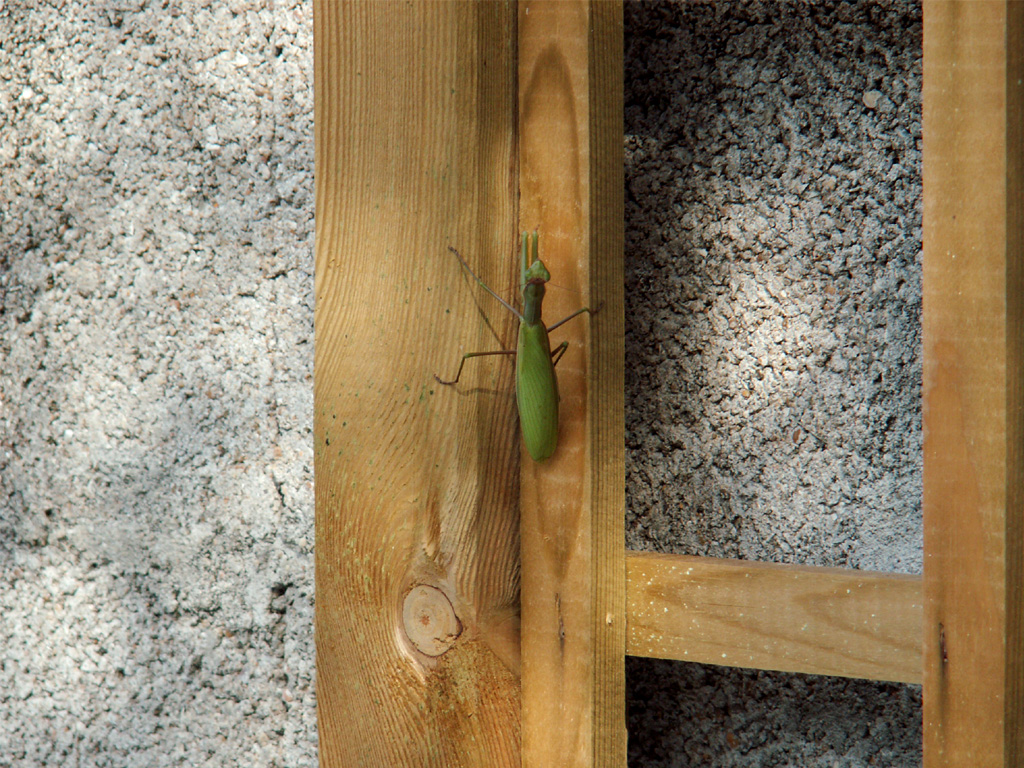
{"points": [[156, 298], [156, 324], [773, 349]]}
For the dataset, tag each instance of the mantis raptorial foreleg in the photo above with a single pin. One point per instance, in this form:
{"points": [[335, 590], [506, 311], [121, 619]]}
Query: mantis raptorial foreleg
{"points": [[557, 352]]}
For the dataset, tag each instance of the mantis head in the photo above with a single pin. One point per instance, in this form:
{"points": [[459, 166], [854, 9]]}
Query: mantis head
{"points": [[536, 273]]}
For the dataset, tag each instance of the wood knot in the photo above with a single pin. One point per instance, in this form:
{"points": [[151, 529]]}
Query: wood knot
{"points": [[430, 621]]}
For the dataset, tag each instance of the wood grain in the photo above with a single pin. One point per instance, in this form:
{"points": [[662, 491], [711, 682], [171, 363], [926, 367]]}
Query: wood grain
{"points": [[573, 600], [824, 621], [416, 484], [973, 415]]}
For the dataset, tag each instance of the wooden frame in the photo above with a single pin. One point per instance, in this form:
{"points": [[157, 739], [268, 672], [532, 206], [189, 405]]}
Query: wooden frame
{"points": [[417, 540], [973, 399], [421, 656], [571, 507]]}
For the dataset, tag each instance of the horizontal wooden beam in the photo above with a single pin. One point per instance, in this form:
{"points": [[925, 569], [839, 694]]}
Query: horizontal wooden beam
{"points": [[825, 621]]}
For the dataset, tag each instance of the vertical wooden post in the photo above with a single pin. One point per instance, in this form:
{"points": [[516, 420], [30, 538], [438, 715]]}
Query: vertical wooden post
{"points": [[573, 600], [417, 539], [974, 352]]}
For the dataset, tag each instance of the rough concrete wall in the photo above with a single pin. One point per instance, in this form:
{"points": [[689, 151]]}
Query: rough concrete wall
{"points": [[156, 178], [156, 295], [773, 347]]}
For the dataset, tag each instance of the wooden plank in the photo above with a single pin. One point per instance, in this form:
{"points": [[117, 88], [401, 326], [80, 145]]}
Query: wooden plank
{"points": [[973, 415], [573, 601], [735, 613], [417, 540]]}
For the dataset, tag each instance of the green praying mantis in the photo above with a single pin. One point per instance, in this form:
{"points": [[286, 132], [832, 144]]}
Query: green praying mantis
{"points": [[536, 385]]}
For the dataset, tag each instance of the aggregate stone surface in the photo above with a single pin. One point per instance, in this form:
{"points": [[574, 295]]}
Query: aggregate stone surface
{"points": [[156, 300]]}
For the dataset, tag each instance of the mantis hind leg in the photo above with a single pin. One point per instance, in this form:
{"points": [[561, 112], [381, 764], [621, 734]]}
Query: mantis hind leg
{"points": [[466, 357]]}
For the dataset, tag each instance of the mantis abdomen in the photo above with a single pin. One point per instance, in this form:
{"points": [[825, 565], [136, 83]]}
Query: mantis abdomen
{"points": [[536, 391]]}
